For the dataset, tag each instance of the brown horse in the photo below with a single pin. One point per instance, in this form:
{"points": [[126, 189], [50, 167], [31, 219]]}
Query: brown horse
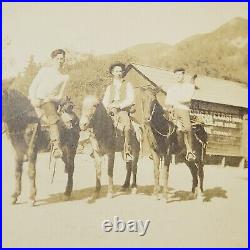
{"points": [[164, 140], [106, 140], [28, 137]]}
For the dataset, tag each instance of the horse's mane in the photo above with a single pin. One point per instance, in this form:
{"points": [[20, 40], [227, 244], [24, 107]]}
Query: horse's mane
{"points": [[101, 122], [103, 126], [162, 128], [159, 121]]}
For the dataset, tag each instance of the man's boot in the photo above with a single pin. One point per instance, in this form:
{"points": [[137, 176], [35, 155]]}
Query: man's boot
{"points": [[188, 139], [55, 140]]}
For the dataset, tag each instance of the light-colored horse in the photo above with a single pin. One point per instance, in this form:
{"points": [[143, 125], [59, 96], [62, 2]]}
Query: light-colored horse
{"points": [[106, 140]]}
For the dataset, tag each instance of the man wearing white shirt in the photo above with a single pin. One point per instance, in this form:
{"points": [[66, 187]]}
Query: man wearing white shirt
{"points": [[118, 100], [46, 90], [179, 96]]}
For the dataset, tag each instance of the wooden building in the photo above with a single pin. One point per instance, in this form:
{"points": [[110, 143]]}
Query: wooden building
{"points": [[222, 104]]}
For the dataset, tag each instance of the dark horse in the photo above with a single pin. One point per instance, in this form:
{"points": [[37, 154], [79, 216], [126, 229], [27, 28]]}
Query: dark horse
{"points": [[106, 140], [28, 137], [164, 140]]}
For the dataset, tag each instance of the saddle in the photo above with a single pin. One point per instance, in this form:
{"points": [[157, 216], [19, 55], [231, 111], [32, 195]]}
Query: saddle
{"points": [[66, 117], [135, 125]]}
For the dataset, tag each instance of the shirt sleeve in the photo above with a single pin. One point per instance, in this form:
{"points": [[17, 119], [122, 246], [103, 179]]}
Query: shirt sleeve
{"points": [[187, 94], [106, 97], [35, 84], [130, 96], [170, 98]]}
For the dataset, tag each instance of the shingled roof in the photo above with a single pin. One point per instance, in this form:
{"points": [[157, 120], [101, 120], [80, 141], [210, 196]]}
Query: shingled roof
{"points": [[212, 90]]}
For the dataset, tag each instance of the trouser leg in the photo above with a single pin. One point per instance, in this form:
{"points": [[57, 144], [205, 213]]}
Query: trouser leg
{"points": [[50, 112], [124, 119], [55, 140], [184, 118]]}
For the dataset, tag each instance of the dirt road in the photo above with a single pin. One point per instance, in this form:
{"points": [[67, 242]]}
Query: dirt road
{"points": [[218, 219]]}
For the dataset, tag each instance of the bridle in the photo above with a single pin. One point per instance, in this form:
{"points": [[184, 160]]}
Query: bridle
{"points": [[170, 131]]}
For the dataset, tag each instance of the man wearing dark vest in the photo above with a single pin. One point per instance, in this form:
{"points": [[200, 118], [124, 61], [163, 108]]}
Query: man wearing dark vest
{"points": [[118, 100]]}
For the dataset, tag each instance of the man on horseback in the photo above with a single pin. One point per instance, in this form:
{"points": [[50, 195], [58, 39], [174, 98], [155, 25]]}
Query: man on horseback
{"points": [[46, 91], [179, 97], [119, 100]]}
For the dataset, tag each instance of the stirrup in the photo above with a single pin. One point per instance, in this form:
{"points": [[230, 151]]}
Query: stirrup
{"points": [[128, 157], [190, 156], [57, 152]]}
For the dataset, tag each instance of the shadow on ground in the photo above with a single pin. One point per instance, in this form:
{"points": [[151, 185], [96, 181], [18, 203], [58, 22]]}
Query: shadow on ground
{"points": [[89, 195], [216, 192]]}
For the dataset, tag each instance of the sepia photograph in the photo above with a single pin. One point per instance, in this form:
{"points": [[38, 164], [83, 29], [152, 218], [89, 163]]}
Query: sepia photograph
{"points": [[125, 125]]}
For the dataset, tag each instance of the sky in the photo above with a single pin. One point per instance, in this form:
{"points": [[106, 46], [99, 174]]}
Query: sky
{"points": [[98, 28]]}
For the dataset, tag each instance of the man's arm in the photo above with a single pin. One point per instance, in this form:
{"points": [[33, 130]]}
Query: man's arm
{"points": [[187, 94], [33, 88], [130, 97], [34, 85]]}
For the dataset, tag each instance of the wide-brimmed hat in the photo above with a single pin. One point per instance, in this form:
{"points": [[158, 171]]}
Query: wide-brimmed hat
{"points": [[120, 64]]}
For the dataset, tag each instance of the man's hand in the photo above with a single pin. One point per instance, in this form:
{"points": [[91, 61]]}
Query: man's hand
{"points": [[36, 102], [115, 104], [53, 98]]}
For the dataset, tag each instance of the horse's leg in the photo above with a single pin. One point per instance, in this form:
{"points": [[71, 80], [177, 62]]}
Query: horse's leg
{"points": [[69, 165], [134, 171], [165, 173], [98, 160], [18, 176], [194, 171], [126, 184], [156, 160], [201, 174], [32, 176], [111, 158]]}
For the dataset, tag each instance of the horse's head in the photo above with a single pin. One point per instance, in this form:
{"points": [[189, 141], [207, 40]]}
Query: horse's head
{"points": [[149, 94], [65, 110], [65, 105], [89, 105]]}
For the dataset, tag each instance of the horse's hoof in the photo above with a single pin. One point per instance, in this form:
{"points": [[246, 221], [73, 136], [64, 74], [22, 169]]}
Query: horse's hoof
{"points": [[66, 197], [134, 190], [199, 196], [93, 197], [196, 193], [109, 195], [32, 203], [13, 200], [165, 196], [157, 197]]}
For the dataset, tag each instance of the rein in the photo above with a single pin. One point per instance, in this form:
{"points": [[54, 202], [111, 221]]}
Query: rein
{"points": [[200, 141], [156, 130], [164, 135]]}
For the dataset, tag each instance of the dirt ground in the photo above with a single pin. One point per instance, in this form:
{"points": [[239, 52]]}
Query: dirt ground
{"points": [[219, 218]]}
